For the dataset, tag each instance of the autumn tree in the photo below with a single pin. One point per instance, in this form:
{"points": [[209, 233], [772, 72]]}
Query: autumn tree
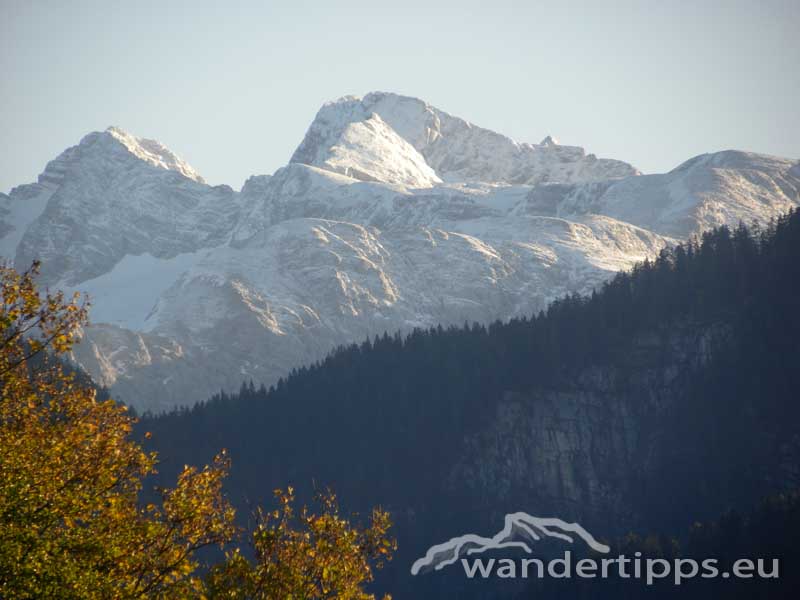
{"points": [[71, 524], [304, 554]]}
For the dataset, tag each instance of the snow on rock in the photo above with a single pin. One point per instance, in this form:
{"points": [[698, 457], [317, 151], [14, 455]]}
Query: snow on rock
{"points": [[101, 200], [455, 149], [305, 285], [391, 215], [370, 150], [154, 153], [710, 190], [17, 212], [119, 296]]}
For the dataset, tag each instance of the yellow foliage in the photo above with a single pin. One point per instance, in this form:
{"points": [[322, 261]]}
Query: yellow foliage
{"points": [[306, 555], [70, 522]]}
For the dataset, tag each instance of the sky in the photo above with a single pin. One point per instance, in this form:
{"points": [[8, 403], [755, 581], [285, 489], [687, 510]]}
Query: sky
{"points": [[231, 87]]}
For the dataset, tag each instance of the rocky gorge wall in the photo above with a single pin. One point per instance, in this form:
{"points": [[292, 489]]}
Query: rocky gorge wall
{"points": [[587, 451]]}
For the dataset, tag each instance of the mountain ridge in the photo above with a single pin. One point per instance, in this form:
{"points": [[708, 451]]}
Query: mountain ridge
{"points": [[629, 409], [198, 287], [456, 149]]}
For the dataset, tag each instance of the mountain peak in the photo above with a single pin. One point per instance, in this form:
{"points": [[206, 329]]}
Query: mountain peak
{"points": [[154, 153], [736, 159], [447, 148], [371, 150]]}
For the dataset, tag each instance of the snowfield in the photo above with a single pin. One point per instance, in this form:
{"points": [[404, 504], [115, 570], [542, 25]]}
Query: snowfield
{"points": [[390, 215]]}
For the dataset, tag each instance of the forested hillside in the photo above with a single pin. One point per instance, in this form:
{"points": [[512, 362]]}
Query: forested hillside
{"points": [[767, 531], [667, 396]]}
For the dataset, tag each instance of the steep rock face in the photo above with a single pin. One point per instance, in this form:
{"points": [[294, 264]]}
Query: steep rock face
{"points": [[603, 445], [370, 150], [20, 208], [391, 215], [455, 149], [585, 451], [707, 191], [114, 195], [154, 152], [304, 285]]}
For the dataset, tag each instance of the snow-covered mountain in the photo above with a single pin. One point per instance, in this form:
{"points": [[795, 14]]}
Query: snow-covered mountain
{"points": [[341, 139], [111, 196], [390, 215]]}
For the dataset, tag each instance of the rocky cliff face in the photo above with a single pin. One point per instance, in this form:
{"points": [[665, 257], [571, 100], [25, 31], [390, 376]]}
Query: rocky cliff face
{"points": [[707, 191], [391, 215], [112, 196], [589, 450], [451, 148]]}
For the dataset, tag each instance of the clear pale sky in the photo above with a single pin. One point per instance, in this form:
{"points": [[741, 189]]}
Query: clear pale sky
{"points": [[232, 86]]}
